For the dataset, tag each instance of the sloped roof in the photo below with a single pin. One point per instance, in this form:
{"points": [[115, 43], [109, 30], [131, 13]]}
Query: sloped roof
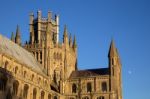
{"points": [[23, 56], [89, 72]]}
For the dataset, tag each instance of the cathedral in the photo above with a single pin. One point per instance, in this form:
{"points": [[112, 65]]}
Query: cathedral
{"points": [[45, 68]]}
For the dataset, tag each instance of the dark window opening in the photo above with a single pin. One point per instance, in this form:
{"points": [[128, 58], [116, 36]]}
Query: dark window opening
{"points": [[89, 87], [74, 88], [104, 86]]}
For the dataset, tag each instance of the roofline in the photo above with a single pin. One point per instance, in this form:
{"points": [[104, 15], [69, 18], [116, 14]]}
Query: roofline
{"points": [[12, 58]]}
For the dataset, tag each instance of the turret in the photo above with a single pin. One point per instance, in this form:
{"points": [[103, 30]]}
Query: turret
{"points": [[31, 28], [115, 72], [18, 37], [65, 37], [12, 37], [39, 14], [74, 44], [31, 18], [49, 16]]}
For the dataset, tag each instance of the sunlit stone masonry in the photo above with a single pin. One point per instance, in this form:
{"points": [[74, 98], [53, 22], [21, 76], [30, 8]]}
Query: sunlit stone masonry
{"points": [[45, 68]]}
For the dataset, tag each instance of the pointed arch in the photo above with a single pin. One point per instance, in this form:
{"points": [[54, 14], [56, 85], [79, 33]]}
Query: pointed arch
{"points": [[3, 81], [89, 87], [25, 91], [100, 97], [16, 70], [15, 87], [104, 86], [24, 74], [32, 77], [74, 88], [34, 93], [85, 97], [49, 96], [42, 94], [55, 97]]}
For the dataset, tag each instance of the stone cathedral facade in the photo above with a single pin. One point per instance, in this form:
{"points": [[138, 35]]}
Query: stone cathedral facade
{"points": [[45, 68]]}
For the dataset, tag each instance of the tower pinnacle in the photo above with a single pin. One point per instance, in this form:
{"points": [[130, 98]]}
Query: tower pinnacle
{"points": [[65, 31], [18, 31], [12, 37], [18, 38], [112, 50], [65, 36]]}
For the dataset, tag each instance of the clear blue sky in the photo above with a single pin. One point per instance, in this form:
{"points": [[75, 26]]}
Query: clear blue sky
{"points": [[95, 22]]}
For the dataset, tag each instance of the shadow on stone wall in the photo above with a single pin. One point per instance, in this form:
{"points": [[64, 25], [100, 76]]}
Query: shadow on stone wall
{"points": [[8, 85]]}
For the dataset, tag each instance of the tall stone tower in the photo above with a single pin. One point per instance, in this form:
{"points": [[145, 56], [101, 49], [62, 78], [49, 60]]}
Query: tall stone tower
{"points": [[115, 72], [58, 59]]}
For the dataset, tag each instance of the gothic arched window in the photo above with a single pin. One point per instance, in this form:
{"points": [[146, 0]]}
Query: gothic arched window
{"points": [[24, 74], [55, 97], [89, 87], [3, 82], [32, 77], [74, 88], [42, 94], [39, 80], [49, 96], [25, 91], [34, 93], [104, 86], [15, 87], [86, 97], [16, 70], [101, 97], [71, 98]]}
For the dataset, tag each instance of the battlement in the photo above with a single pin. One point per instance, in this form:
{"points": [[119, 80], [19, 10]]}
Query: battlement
{"points": [[40, 18]]}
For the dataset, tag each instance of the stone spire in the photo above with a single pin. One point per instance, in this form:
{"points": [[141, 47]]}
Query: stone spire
{"points": [[18, 37], [65, 36], [12, 37], [115, 71], [65, 31], [112, 50]]}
